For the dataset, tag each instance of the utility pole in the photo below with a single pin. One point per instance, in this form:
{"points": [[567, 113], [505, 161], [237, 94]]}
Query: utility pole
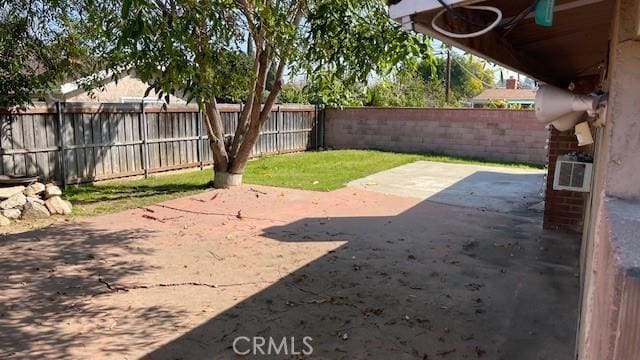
{"points": [[448, 89]]}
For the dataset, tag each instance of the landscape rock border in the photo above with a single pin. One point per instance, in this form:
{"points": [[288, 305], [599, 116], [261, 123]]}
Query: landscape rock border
{"points": [[36, 201]]}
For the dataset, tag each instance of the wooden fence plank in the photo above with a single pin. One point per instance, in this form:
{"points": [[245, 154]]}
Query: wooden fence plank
{"points": [[81, 150], [128, 133], [40, 137], [160, 149], [103, 141], [106, 138], [99, 152], [89, 155], [154, 132], [4, 135], [182, 132], [69, 155], [7, 144], [174, 133], [29, 137], [121, 118], [135, 136], [17, 142]]}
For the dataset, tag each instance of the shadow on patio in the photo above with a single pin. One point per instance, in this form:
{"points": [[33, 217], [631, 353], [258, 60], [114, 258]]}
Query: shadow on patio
{"points": [[365, 275], [433, 281], [50, 278]]}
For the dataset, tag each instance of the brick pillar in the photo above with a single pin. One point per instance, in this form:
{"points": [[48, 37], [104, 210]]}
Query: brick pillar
{"points": [[564, 210]]}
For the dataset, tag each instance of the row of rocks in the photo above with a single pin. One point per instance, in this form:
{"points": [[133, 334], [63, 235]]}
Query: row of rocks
{"points": [[36, 201]]}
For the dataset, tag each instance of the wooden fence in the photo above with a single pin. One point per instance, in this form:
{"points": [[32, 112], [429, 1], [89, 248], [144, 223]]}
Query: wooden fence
{"points": [[76, 142]]}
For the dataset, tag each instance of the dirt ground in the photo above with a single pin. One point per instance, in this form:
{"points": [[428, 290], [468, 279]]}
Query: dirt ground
{"points": [[365, 275]]}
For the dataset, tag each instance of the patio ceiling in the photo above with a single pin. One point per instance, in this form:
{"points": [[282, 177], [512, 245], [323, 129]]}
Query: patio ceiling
{"points": [[574, 49]]}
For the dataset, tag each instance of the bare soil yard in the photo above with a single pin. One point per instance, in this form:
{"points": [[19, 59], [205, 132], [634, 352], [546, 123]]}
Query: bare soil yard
{"points": [[364, 274]]}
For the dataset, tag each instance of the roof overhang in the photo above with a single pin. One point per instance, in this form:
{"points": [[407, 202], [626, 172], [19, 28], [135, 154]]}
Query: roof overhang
{"points": [[408, 8], [574, 49]]}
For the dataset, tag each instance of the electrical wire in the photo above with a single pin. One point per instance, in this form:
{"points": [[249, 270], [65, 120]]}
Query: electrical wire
{"points": [[459, 15], [488, 28], [509, 25]]}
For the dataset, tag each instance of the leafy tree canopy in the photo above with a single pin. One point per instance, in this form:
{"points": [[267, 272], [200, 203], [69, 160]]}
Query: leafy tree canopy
{"points": [[180, 47], [469, 76], [405, 89], [195, 49], [40, 45]]}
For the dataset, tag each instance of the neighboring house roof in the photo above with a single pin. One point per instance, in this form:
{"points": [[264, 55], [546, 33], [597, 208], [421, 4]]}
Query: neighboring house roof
{"points": [[507, 95], [75, 85], [128, 88]]}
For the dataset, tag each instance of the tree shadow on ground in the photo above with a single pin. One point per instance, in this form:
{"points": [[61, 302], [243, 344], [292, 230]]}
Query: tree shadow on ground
{"points": [[435, 281], [91, 194], [51, 275]]}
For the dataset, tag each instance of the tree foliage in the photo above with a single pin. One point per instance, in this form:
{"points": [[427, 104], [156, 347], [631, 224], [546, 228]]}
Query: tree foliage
{"points": [[40, 46], [469, 76], [235, 67], [195, 49], [180, 47], [405, 89], [293, 94]]}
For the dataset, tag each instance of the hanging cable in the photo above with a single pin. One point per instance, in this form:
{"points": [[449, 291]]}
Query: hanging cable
{"points": [[453, 11], [518, 18], [488, 28]]}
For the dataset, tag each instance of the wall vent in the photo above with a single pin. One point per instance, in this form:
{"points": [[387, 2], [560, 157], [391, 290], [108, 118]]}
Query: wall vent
{"points": [[572, 175]]}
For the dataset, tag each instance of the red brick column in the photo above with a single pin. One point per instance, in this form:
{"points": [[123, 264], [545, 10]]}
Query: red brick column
{"points": [[564, 210]]}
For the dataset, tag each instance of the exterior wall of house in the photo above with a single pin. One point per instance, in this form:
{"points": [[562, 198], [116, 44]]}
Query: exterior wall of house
{"points": [[508, 135], [127, 87], [610, 309]]}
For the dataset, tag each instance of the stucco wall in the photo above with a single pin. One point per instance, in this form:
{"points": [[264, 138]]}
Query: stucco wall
{"points": [[127, 86], [508, 135], [610, 311]]}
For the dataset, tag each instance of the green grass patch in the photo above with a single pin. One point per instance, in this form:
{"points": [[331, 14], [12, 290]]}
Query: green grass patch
{"points": [[318, 171]]}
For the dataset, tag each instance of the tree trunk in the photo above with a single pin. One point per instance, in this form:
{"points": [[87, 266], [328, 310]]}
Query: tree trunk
{"points": [[215, 131], [229, 163], [223, 179]]}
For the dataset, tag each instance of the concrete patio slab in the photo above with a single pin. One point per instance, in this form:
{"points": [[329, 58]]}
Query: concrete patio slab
{"points": [[494, 188], [365, 275]]}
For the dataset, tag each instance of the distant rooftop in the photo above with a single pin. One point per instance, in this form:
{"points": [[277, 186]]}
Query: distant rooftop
{"points": [[507, 95]]}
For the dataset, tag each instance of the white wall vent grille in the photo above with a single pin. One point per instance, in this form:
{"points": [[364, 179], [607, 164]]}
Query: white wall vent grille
{"points": [[572, 175]]}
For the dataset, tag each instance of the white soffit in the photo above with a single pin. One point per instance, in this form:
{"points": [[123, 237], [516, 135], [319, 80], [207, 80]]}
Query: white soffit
{"points": [[410, 7]]}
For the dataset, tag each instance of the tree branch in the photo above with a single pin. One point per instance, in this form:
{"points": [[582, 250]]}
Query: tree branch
{"points": [[243, 121], [259, 115], [275, 91]]}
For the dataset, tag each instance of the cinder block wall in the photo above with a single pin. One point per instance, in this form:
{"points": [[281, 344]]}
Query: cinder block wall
{"points": [[493, 134], [564, 210]]}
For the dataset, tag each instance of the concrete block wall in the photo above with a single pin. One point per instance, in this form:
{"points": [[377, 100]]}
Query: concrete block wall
{"points": [[493, 134], [564, 210]]}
